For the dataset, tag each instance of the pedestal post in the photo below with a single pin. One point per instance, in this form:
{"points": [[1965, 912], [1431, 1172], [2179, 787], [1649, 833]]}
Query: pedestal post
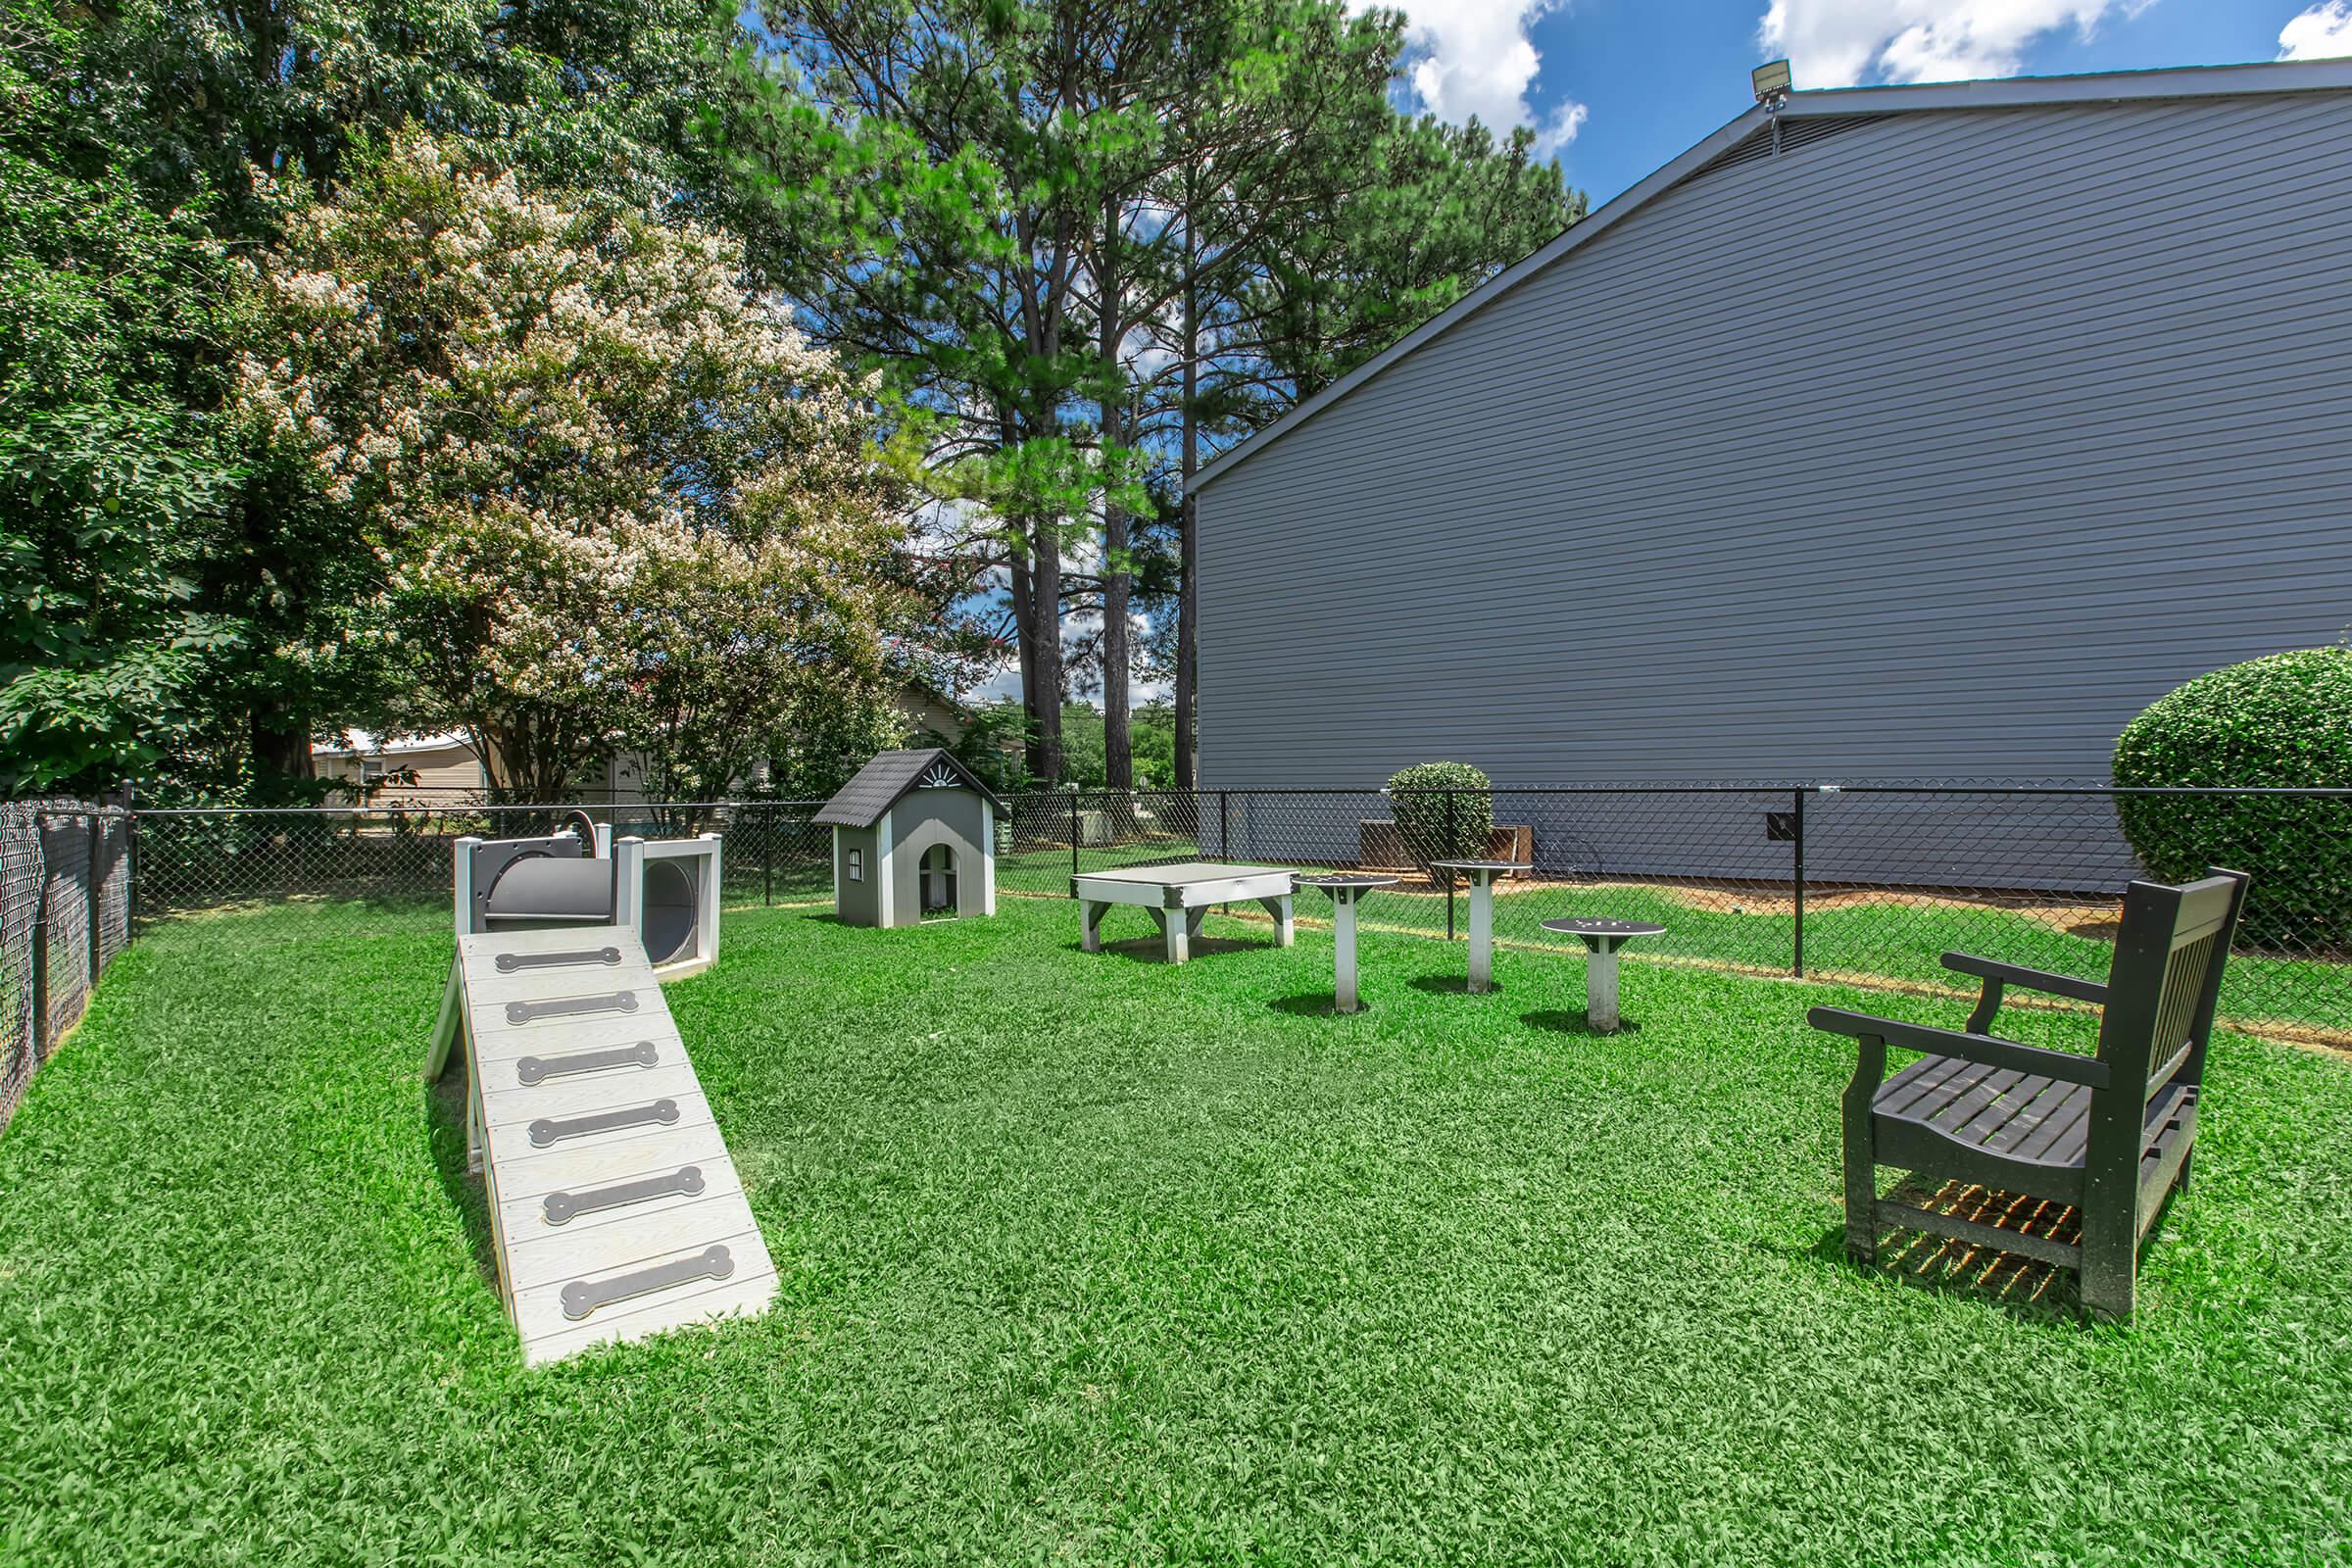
{"points": [[1342, 936], [1601, 987], [1482, 931]]}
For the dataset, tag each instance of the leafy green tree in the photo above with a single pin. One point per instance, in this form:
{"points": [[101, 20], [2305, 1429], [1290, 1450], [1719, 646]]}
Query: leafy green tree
{"points": [[618, 501], [925, 175], [182, 608], [108, 495]]}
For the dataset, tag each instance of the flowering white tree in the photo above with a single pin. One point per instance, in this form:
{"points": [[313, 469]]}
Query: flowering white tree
{"points": [[618, 501]]}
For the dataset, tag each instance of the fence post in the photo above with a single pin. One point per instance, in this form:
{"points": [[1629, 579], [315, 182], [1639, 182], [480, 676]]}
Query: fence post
{"points": [[1073, 832], [93, 898], [40, 947], [768, 859], [1796, 951], [130, 860], [1451, 852], [1225, 824]]}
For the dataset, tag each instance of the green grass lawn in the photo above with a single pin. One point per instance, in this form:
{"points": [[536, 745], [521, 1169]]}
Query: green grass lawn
{"points": [[1089, 1260]]}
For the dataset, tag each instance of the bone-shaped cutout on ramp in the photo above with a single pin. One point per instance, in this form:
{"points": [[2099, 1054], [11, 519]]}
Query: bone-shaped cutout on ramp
{"points": [[531, 1070], [548, 1129], [513, 962], [560, 1208], [572, 1007], [584, 1296]]}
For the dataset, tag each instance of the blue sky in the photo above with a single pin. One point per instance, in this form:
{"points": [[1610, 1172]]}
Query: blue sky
{"points": [[1620, 86]]}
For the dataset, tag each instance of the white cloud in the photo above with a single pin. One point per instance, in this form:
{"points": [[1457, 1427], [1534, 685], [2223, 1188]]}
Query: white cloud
{"points": [[1837, 43], [1466, 58], [1561, 128], [2323, 32]]}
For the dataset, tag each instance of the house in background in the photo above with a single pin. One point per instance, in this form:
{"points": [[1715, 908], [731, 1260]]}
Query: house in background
{"points": [[444, 766], [447, 769], [1888, 433]]}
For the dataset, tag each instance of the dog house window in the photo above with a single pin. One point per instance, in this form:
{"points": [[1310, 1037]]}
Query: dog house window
{"points": [[856, 865], [938, 880]]}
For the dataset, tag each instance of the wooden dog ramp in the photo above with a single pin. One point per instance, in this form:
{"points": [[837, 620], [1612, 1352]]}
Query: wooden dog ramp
{"points": [[615, 1208]]}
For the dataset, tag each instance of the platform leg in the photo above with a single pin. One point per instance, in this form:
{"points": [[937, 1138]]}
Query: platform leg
{"points": [[475, 1134], [1280, 909], [1177, 926], [1090, 924], [1342, 937], [1601, 989], [1482, 934], [446, 1024]]}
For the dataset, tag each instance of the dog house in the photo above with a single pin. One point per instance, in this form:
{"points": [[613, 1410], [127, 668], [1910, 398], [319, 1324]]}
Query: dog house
{"points": [[665, 888], [914, 838]]}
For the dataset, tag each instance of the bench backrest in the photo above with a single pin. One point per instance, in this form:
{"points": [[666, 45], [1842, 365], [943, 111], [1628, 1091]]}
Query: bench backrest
{"points": [[2167, 977]]}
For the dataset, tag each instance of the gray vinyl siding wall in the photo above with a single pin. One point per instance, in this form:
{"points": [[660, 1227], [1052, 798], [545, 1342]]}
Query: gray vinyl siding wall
{"points": [[1935, 446]]}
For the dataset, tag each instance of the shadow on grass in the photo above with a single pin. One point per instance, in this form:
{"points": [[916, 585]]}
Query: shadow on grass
{"points": [[1451, 985], [445, 1127], [1314, 1005], [1576, 1021], [1155, 950], [2026, 1289]]}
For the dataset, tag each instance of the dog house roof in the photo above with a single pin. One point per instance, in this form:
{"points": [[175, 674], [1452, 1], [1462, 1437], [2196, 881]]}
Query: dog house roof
{"points": [[886, 780]]}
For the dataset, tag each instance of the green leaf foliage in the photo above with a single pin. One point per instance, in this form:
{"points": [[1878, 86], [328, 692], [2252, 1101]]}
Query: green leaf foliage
{"points": [[1436, 821], [2285, 721]]}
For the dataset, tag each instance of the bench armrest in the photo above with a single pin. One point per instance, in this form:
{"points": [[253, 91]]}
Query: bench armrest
{"points": [[2063, 1065], [1995, 974]]}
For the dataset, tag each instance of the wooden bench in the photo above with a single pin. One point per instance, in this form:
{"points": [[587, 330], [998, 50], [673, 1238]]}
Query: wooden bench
{"points": [[2111, 1135]]}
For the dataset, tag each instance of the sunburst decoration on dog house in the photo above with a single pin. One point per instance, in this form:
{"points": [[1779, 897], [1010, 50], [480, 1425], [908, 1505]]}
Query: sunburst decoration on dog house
{"points": [[914, 838]]}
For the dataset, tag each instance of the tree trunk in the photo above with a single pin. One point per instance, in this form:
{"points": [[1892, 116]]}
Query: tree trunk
{"points": [[1118, 745], [1044, 644], [1188, 557], [282, 754], [1024, 636]]}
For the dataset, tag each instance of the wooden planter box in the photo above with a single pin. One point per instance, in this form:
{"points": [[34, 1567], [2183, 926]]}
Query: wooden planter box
{"points": [[1379, 847]]}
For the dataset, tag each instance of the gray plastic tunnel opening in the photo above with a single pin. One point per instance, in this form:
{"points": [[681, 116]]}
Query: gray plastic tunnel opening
{"points": [[540, 892], [668, 910]]}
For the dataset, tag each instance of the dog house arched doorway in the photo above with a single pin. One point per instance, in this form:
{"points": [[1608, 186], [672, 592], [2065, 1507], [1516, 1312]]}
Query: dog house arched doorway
{"points": [[935, 880]]}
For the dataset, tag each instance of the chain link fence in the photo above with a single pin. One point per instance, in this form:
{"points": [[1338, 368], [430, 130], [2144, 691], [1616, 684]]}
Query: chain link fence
{"points": [[197, 858], [1865, 884], [64, 914]]}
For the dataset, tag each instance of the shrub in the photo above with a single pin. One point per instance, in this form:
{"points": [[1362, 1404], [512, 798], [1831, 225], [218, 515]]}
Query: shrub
{"points": [[1437, 826], [2284, 720]]}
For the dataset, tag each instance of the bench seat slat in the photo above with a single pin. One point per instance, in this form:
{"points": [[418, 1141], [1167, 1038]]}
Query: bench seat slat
{"points": [[2015, 1116], [2066, 1124], [1920, 1078]]}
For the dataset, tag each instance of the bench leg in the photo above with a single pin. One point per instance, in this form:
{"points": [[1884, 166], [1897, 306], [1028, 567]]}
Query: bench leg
{"points": [[2110, 1262], [1280, 909], [1861, 1155], [1090, 924]]}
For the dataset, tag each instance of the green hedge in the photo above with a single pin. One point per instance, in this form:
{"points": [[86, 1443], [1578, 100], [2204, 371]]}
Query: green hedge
{"points": [[2284, 720], [1442, 827]]}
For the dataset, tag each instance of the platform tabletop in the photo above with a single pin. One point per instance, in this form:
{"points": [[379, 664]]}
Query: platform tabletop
{"points": [[1482, 866], [1176, 876], [1330, 884], [1579, 927]]}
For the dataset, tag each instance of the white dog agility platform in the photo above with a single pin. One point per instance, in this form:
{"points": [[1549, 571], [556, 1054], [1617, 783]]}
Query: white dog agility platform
{"points": [[614, 1208]]}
